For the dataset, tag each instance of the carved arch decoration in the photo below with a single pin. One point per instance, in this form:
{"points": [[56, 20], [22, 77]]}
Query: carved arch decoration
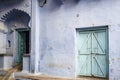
{"points": [[15, 14]]}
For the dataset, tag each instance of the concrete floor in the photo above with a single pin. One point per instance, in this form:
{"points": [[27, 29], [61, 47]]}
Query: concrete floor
{"points": [[45, 77], [38, 77]]}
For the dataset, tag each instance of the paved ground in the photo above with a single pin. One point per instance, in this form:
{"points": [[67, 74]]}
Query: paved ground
{"points": [[4, 75], [44, 77], [1, 77]]}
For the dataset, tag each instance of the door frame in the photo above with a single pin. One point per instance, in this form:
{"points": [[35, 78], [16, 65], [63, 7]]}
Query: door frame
{"points": [[16, 39], [107, 45]]}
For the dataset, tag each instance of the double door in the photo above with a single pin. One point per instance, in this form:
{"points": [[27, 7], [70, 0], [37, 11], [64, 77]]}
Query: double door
{"points": [[92, 53]]}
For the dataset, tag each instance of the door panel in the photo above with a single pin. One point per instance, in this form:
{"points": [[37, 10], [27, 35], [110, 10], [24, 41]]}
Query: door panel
{"points": [[84, 50], [17, 48], [98, 54], [92, 53], [21, 46]]}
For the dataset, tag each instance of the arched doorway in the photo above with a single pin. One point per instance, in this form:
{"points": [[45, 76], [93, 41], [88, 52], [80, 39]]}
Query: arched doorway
{"points": [[18, 36]]}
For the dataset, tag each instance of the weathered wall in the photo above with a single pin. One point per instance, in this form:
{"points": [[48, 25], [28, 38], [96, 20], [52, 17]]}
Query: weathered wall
{"points": [[57, 33], [11, 35], [8, 62], [114, 52], [3, 43], [26, 64], [1, 62], [24, 5]]}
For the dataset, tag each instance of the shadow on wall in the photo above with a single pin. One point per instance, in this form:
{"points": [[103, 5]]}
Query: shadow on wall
{"points": [[52, 5], [16, 15], [91, 1], [8, 3], [70, 1]]}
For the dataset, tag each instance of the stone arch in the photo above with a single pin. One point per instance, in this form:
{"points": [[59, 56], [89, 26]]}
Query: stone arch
{"points": [[16, 15], [16, 21]]}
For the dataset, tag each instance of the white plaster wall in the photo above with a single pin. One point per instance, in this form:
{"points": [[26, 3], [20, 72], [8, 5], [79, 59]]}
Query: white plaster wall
{"points": [[2, 38], [2, 43], [114, 52], [57, 33], [35, 38], [25, 6], [26, 64], [8, 62], [3, 27]]}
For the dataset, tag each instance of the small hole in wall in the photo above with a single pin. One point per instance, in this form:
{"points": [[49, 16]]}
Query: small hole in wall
{"points": [[68, 68], [77, 15], [32, 71], [9, 43]]}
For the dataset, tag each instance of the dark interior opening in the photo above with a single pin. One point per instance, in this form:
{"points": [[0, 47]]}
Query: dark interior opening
{"points": [[27, 42]]}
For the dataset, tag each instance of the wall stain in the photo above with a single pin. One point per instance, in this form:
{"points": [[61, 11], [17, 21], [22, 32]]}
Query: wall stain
{"points": [[53, 65]]}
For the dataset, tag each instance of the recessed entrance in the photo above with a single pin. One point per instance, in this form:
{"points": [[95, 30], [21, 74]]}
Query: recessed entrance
{"points": [[22, 44], [92, 52]]}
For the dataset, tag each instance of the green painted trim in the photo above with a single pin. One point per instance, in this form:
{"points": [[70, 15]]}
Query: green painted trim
{"points": [[23, 29], [16, 41], [107, 46], [92, 28]]}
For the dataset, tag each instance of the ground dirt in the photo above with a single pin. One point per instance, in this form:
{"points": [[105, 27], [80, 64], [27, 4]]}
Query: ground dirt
{"points": [[7, 73], [40, 77], [44, 77]]}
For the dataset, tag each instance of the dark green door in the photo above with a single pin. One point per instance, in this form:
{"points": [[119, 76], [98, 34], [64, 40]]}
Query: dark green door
{"points": [[92, 53], [21, 39]]}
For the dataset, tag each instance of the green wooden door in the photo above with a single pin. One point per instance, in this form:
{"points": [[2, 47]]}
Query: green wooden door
{"points": [[92, 55], [21, 45]]}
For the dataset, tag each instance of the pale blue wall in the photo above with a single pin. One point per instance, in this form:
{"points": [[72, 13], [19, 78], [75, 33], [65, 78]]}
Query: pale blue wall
{"points": [[114, 52], [57, 33]]}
